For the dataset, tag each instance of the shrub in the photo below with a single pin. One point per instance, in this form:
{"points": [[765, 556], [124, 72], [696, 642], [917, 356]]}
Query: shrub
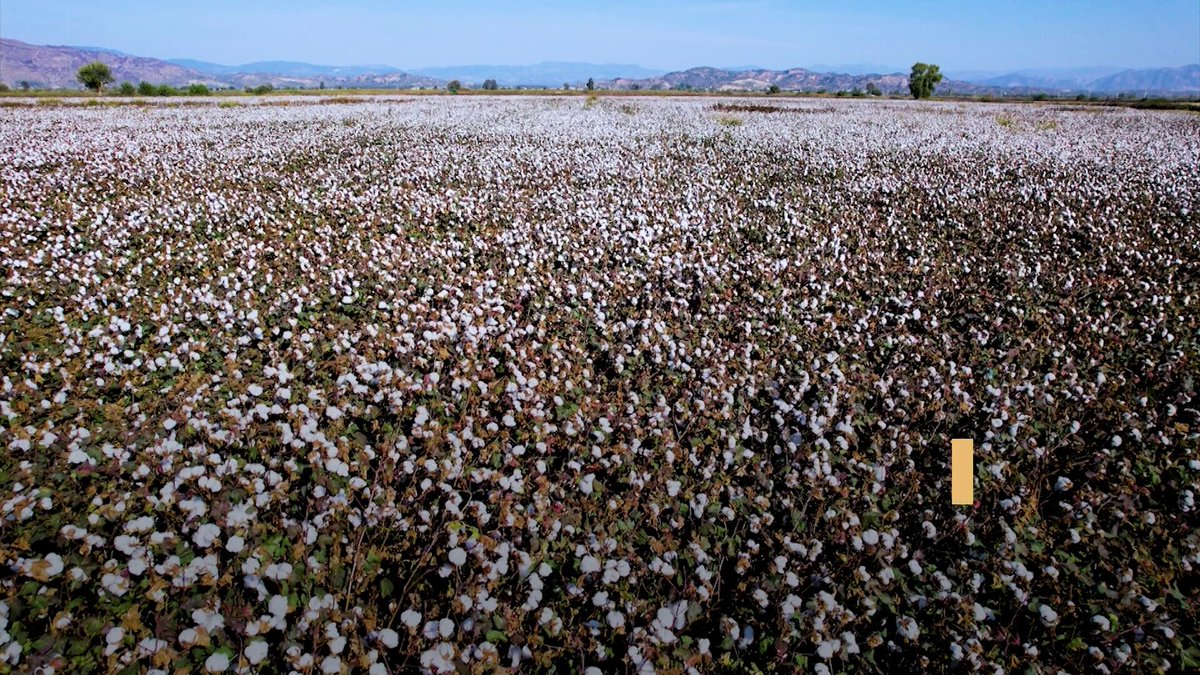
{"points": [[127, 89], [147, 89], [166, 90], [197, 90], [453, 86]]}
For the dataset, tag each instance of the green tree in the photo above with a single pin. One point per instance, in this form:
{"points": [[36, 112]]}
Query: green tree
{"points": [[94, 76], [923, 79], [146, 89], [873, 89], [3, 86], [25, 85], [197, 90], [127, 89], [453, 86], [490, 85], [773, 89], [591, 84]]}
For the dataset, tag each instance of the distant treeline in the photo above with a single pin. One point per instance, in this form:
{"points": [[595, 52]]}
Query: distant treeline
{"points": [[151, 89]]}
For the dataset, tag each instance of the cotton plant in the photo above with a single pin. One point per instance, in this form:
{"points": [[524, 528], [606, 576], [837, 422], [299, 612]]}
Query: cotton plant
{"points": [[434, 385]]}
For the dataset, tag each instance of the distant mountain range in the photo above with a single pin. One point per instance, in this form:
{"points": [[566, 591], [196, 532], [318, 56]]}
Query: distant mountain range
{"points": [[794, 79], [1181, 81], [1101, 80], [55, 67], [285, 69], [546, 74]]}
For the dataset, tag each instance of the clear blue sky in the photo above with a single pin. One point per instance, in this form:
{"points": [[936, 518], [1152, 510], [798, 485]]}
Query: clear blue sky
{"points": [[668, 34]]}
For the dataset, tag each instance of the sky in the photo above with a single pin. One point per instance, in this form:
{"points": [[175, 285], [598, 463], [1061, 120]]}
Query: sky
{"points": [[665, 34]]}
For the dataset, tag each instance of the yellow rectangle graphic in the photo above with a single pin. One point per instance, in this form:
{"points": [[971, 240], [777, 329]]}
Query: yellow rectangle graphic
{"points": [[962, 472]]}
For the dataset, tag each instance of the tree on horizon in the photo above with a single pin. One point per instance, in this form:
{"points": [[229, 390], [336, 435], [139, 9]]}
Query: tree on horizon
{"points": [[94, 76], [924, 79]]}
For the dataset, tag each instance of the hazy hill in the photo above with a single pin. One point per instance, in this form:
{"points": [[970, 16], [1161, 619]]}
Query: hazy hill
{"points": [[45, 66], [794, 79], [1185, 79], [286, 69], [56, 66], [548, 73]]}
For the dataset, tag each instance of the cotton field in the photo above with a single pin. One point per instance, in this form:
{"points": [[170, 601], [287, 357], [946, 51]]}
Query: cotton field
{"points": [[620, 385]]}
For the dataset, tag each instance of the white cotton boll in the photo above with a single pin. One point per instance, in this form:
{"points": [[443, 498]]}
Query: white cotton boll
{"points": [[907, 627], [828, 648], [1102, 622], [235, 544], [410, 618], [216, 663], [205, 535], [333, 412], [389, 638], [188, 637], [115, 584], [870, 537], [458, 557], [255, 652], [255, 390], [1049, 616], [331, 665], [586, 484], [78, 456], [1116, 441], [615, 619], [589, 565]]}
